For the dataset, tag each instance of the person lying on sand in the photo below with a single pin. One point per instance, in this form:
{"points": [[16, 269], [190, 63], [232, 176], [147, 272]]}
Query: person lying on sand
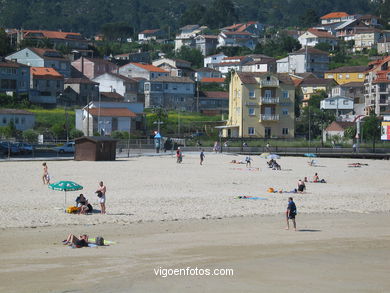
{"points": [[72, 240]]}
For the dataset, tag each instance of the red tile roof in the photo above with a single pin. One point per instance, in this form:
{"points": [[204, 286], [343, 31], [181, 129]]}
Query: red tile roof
{"points": [[112, 112], [149, 67], [53, 35], [48, 53], [80, 80], [335, 15], [339, 126], [321, 33], [146, 32], [112, 95], [45, 73], [214, 95], [213, 79]]}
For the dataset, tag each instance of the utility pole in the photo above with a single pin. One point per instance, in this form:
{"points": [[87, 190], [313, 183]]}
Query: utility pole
{"points": [[87, 115], [309, 127], [197, 97], [128, 141]]}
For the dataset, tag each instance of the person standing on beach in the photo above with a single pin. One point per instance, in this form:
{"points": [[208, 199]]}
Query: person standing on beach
{"points": [[179, 156], [45, 177], [202, 156], [102, 200], [291, 213]]}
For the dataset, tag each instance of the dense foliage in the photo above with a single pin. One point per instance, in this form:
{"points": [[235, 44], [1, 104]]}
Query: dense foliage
{"points": [[89, 16]]}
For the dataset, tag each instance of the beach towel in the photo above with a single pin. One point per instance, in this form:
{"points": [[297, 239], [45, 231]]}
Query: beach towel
{"points": [[251, 197], [106, 242], [272, 190]]}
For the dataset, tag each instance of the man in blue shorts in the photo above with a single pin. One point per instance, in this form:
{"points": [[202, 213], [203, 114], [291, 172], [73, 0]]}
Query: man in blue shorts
{"points": [[291, 213]]}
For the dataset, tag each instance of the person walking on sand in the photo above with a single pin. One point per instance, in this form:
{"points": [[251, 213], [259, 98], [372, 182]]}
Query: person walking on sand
{"points": [[202, 156], [291, 213], [45, 177], [102, 199], [179, 156]]}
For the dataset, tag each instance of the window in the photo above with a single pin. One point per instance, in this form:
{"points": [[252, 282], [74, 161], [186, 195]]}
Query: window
{"points": [[345, 102], [17, 120], [285, 95], [340, 76], [285, 111], [251, 94], [4, 120], [331, 102], [47, 83], [174, 87], [23, 120], [166, 86], [285, 131], [268, 93], [347, 76], [330, 75], [360, 75], [251, 130], [251, 112], [58, 84]]}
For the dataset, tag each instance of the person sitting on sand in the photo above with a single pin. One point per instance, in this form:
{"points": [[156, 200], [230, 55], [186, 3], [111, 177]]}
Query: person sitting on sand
{"points": [[72, 240], [301, 186], [83, 205], [271, 163], [276, 166], [316, 178]]}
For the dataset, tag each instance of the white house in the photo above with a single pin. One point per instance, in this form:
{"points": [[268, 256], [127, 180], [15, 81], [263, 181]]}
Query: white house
{"points": [[336, 128], [209, 61], [336, 17], [187, 36], [141, 70], [148, 35], [125, 86], [207, 72], [313, 36], [342, 105], [22, 119], [237, 39], [231, 63], [260, 64]]}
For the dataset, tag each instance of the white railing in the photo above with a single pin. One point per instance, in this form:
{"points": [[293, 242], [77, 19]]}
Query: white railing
{"points": [[269, 117], [266, 100]]}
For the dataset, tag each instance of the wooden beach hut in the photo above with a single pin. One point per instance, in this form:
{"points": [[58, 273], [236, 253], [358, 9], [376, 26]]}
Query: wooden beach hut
{"points": [[95, 148]]}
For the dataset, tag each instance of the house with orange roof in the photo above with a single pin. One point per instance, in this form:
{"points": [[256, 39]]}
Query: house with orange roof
{"points": [[313, 36], [42, 57], [151, 34], [47, 85], [57, 38], [146, 71], [175, 67], [335, 17], [377, 87], [252, 27]]}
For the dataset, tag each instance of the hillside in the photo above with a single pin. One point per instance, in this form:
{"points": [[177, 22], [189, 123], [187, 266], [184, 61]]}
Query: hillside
{"points": [[87, 16]]}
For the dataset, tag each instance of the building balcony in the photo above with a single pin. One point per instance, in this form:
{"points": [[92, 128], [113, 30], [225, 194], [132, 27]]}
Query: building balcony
{"points": [[269, 117], [252, 104], [269, 83], [266, 100]]}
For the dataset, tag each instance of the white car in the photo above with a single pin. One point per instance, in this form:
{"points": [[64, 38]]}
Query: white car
{"points": [[66, 148]]}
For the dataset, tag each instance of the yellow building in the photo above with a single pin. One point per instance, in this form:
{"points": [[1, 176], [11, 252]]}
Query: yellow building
{"points": [[311, 86], [347, 74], [260, 105]]}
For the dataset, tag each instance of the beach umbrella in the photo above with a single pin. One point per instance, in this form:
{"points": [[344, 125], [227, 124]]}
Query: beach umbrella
{"points": [[264, 155], [273, 156], [310, 155], [65, 186]]}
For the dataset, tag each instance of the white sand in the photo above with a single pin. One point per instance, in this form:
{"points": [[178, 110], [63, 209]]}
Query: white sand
{"points": [[156, 189]]}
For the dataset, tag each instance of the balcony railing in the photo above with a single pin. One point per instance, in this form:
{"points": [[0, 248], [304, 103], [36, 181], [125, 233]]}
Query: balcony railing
{"points": [[269, 117], [267, 100], [265, 83]]}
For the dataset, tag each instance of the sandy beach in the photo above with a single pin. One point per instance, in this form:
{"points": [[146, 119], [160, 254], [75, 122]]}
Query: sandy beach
{"points": [[167, 215]]}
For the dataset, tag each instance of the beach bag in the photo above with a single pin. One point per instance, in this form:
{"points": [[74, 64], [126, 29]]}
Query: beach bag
{"points": [[271, 190], [99, 241], [99, 193]]}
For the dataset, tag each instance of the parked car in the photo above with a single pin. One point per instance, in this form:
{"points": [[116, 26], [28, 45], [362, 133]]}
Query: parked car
{"points": [[25, 148], [66, 148]]}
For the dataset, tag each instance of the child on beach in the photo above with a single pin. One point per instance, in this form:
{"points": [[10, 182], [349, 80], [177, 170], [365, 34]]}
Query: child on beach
{"points": [[179, 156], [202, 156], [248, 161], [45, 177]]}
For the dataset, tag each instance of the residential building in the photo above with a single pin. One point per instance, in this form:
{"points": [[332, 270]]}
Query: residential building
{"points": [[347, 74], [135, 57], [125, 86], [171, 93], [56, 38], [237, 39], [206, 43], [22, 119], [149, 35], [207, 72], [313, 37], [213, 80], [141, 70], [367, 39], [39, 57], [260, 63], [111, 97], [312, 86], [305, 60], [93, 67], [368, 19], [383, 45], [335, 17], [347, 30], [260, 105], [213, 103], [209, 61], [106, 117], [377, 87], [14, 78], [47, 85], [252, 27], [79, 91], [187, 36], [175, 67], [341, 105], [231, 63], [353, 90], [336, 129]]}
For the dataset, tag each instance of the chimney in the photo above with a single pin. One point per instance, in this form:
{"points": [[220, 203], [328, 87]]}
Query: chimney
{"points": [[82, 65]]}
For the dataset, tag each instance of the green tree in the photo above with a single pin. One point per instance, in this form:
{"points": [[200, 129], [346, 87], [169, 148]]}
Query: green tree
{"points": [[195, 13], [59, 130], [76, 133], [5, 47], [309, 18], [221, 13], [159, 115], [350, 132], [117, 134], [117, 31], [372, 128], [190, 54], [30, 135]]}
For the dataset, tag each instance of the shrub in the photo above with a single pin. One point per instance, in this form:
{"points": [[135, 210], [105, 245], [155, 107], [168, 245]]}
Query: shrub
{"points": [[30, 135]]}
